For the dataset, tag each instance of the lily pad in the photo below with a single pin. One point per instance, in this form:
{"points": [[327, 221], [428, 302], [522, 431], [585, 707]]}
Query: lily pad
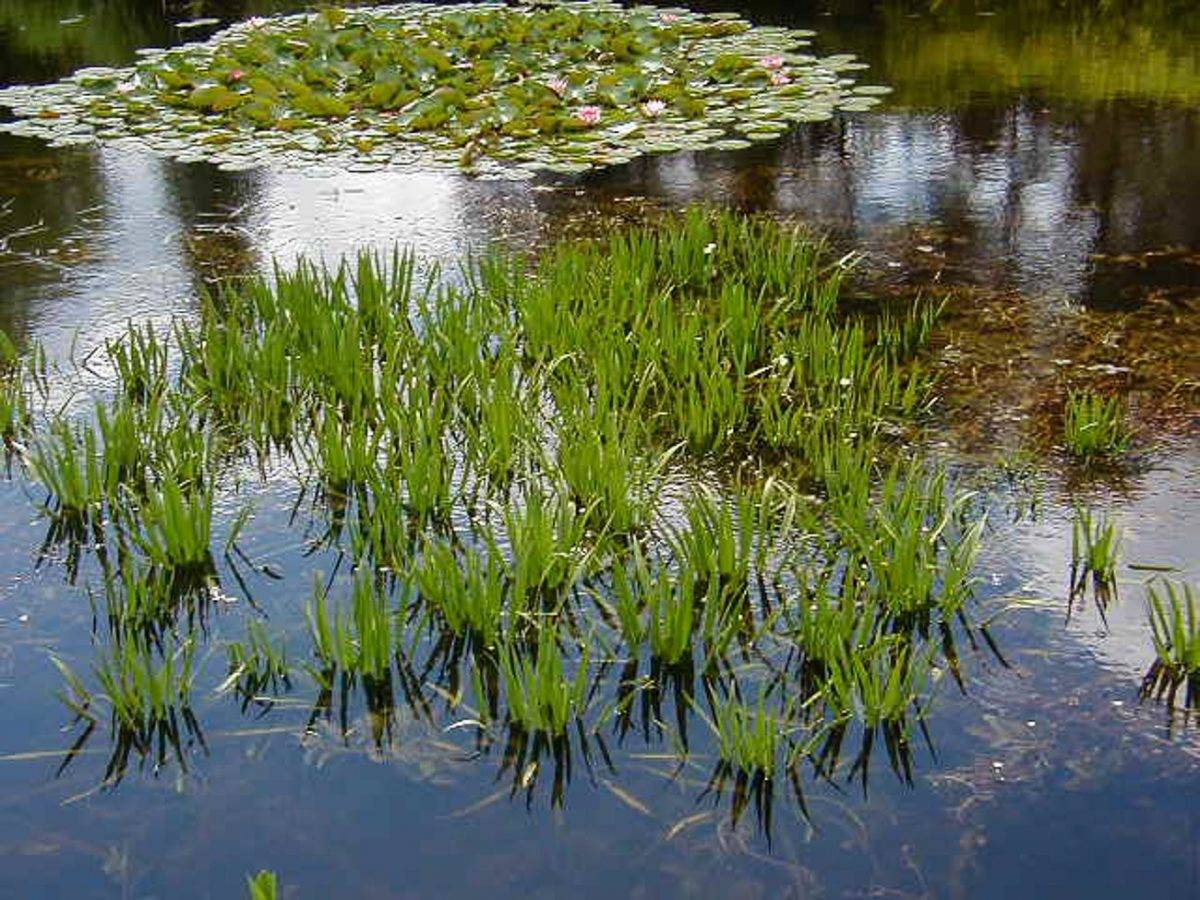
{"points": [[491, 89]]}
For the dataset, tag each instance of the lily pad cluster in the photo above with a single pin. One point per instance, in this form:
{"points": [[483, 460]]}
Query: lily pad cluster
{"points": [[494, 89]]}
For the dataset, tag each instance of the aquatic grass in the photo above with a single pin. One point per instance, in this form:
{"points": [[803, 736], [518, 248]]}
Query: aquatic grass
{"points": [[14, 398], [140, 360], [1175, 630], [263, 886], [882, 683], [177, 528], [346, 453], [147, 687], [672, 611], [748, 736], [465, 588], [1094, 425], [68, 462], [718, 545], [547, 538], [1095, 550], [540, 695], [915, 547], [416, 439], [358, 640], [488, 455], [498, 420], [122, 431], [605, 471], [14, 410], [258, 667], [140, 602]]}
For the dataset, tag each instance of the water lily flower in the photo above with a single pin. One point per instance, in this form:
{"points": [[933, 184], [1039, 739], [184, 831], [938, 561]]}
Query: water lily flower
{"points": [[772, 62], [237, 75], [669, 18], [126, 87], [780, 78], [256, 21], [654, 108], [588, 115], [558, 85]]}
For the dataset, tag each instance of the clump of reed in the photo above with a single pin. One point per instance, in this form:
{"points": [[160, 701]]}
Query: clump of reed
{"points": [[176, 532], [147, 687], [1095, 425], [359, 639], [1175, 630], [14, 403], [258, 667], [541, 697], [263, 886], [489, 454], [748, 736], [1095, 551]]}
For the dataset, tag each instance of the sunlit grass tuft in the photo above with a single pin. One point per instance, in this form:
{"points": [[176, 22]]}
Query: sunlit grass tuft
{"points": [[541, 696], [1095, 426], [1095, 551], [263, 886], [1175, 628]]}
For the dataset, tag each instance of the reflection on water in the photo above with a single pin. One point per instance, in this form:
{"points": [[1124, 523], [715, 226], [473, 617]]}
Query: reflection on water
{"points": [[1043, 161], [1014, 183]]}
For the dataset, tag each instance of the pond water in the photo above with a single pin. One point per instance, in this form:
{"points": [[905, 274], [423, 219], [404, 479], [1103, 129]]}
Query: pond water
{"points": [[1039, 161]]}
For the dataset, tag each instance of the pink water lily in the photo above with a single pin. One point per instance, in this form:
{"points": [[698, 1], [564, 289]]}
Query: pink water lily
{"points": [[773, 62], [236, 75], [558, 85], [670, 18], [654, 108], [588, 115], [780, 78]]}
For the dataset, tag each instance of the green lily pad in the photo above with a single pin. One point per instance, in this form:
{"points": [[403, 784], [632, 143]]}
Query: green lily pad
{"points": [[487, 88]]}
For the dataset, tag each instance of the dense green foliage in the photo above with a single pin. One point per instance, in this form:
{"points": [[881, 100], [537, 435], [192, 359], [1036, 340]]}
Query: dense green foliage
{"points": [[564, 86], [663, 447]]}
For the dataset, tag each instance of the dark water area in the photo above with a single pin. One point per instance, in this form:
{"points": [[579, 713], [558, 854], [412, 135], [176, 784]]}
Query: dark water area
{"points": [[1038, 162]]}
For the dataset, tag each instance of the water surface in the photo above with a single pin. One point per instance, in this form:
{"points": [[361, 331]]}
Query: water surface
{"points": [[1039, 161]]}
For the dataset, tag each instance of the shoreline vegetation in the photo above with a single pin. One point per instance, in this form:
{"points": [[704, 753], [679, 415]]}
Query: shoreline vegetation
{"points": [[655, 481], [625, 465]]}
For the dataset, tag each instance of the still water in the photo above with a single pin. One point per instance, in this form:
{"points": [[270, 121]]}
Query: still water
{"points": [[1039, 161]]}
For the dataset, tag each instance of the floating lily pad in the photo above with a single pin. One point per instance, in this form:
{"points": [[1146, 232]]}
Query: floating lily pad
{"points": [[490, 89]]}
